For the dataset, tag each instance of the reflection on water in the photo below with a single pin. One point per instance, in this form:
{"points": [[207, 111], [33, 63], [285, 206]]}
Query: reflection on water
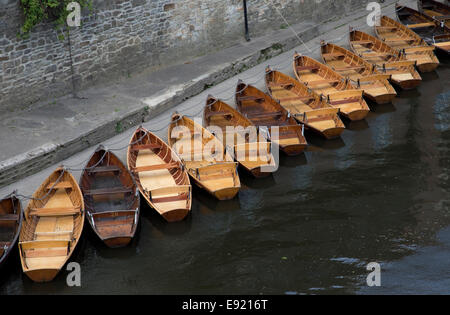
{"points": [[379, 194]]}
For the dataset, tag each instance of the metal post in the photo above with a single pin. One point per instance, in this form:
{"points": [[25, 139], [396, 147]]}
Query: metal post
{"points": [[247, 36]]}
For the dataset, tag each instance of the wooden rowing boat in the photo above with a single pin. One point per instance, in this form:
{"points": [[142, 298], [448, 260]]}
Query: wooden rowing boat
{"points": [[254, 155], [362, 74], [111, 198], [427, 28], [436, 10], [386, 59], [324, 81], [10, 225], [52, 226], [400, 37], [207, 162], [307, 107], [264, 112], [160, 175]]}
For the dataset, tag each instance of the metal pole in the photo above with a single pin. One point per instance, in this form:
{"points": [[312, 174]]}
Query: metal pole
{"points": [[247, 36]]}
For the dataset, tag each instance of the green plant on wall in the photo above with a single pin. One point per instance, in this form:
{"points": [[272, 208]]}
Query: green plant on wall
{"points": [[38, 11]]}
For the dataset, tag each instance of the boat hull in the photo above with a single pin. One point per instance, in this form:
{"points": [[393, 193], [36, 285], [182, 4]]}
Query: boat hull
{"points": [[356, 115], [427, 67], [381, 99], [293, 150], [407, 84], [175, 215], [332, 133], [226, 193], [42, 275], [117, 242]]}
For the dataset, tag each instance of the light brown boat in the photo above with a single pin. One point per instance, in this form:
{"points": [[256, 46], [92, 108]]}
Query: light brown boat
{"points": [[426, 27], [52, 226], [307, 107], [111, 198], [253, 155], [324, 81], [400, 37], [10, 224], [436, 10], [160, 175], [386, 59], [264, 112], [210, 166], [362, 74]]}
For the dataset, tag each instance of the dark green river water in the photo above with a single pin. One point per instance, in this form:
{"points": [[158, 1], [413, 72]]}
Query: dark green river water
{"points": [[379, 194]]}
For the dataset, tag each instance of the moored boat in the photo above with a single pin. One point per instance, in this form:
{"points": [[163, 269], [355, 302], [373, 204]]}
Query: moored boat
{"points": [[307, 107], [52, 226], [435, 9], [264, 112], [362, 74], [253, 154], [386, 59], [207, 162], [111, 198], [412, 46], [339, 92], [429, 29], [10, 225], [160, 175]]}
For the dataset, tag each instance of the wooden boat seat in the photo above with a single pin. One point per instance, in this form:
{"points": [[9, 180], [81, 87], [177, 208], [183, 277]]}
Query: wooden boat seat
{"points": [[108, 191], [170, 194], [309, 68], [442, 17], [68, 234], [156, 167], [105, 169], [350, 68], [148, 146], [250, 98], [280, 86], [323, 82], [113, 213], [50, 248], [263, 115], [387, 27], [362, 42], [53, 212], [60, 185], [9, 217], [219, 113], [419, 25], [400, 39], [345, 101], [296, 98], [333, 55]]}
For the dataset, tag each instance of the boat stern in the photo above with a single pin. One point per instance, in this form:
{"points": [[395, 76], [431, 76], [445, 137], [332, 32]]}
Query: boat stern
{"points": [[42, 275], [333, 133], [226, 193], [118, 241], [356, 115], [175, 215]]}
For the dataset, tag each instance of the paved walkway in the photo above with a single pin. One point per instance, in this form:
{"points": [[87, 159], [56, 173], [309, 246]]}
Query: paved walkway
{"points": [[42, 136]]}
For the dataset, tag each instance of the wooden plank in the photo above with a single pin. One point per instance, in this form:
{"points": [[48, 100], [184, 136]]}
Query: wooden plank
{"points": [[400, 39], [9, 217], [250, 98], [50, 252], [280, 85], [104, 169], [170, 190], [149, 146], [350, 68], [333, 54], [322, 82], [345, 101], [362, 42], [44, 244], [442, 17], [60, 185], [170, 198], [54, 212], [295, 98], [264, 115], [114, 213], [419, 25], [219, 113], [304, 68], [419, 49], [108, 191], [156, 167], [345, 94]]}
